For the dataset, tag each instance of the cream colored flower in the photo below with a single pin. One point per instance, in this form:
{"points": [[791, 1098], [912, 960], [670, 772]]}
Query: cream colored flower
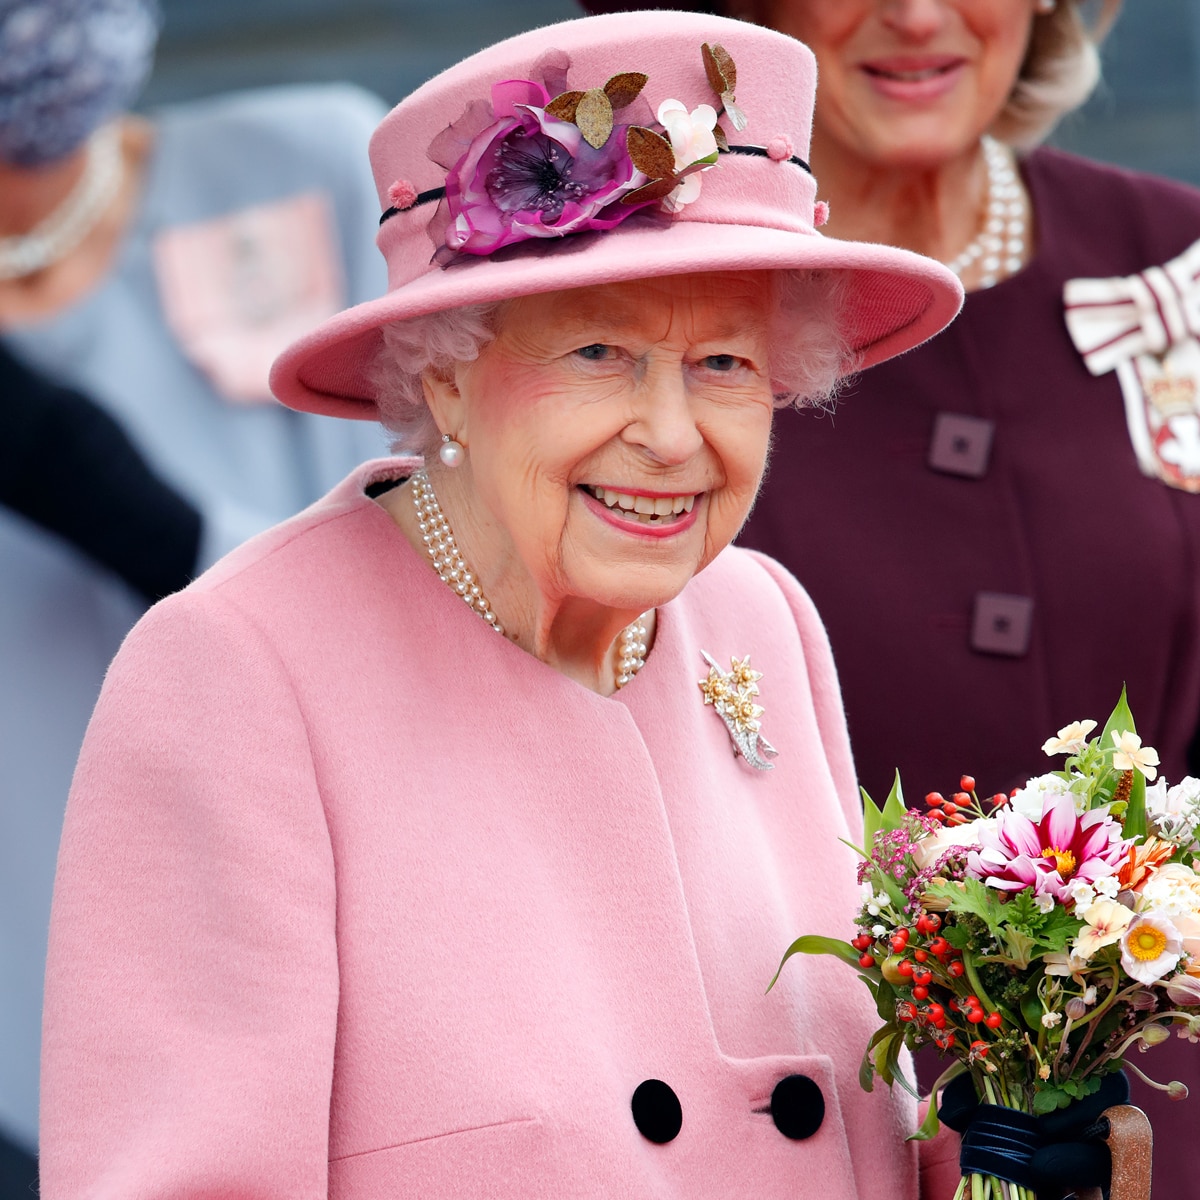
{"points": [[1106, 922], [1070, 739], [1150, 948], [693, 140], [1131, 755]]}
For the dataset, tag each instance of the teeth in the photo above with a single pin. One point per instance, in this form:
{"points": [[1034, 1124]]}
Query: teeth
{"points": [[647, 509]]}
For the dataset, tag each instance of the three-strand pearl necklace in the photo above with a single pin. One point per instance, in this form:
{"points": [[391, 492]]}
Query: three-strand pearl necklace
{"points": [[452, 569], [999, 247]]}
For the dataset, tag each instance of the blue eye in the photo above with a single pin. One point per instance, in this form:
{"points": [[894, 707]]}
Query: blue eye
{"points": [[721, 362], [596, 352]]}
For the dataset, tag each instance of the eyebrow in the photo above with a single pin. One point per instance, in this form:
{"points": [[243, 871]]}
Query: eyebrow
{"points": [[620, 318]]}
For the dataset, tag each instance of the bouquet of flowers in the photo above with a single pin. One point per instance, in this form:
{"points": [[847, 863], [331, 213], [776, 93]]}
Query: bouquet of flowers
{"points": [[1036, 938]]}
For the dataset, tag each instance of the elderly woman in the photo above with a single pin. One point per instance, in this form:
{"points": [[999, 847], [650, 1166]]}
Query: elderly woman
{"points": [[1010, 518], [366, 891]]}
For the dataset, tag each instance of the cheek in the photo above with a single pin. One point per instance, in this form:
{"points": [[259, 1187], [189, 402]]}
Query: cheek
{"points": [[741, 446]]}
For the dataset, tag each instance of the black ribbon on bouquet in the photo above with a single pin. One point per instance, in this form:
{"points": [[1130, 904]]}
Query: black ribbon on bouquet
{"points": [[1001, 1142]]}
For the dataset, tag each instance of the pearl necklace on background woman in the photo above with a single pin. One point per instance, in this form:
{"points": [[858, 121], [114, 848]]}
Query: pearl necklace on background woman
{"points": [[453, 571], [56, 235], [999, 247]]}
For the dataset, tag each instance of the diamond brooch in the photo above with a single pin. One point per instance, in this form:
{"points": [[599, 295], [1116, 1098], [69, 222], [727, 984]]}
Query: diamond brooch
{"points": [[731, 693]]}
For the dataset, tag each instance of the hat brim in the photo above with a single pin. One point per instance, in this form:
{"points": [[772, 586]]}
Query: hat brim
{"points": [[894, 299]]}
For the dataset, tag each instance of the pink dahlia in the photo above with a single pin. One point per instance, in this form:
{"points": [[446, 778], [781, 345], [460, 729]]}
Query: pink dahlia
{"points": [[531, 175], [1017, 853]]}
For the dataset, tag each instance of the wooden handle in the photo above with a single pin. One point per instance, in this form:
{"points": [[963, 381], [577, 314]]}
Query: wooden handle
{"points": [[1131, 1142]]}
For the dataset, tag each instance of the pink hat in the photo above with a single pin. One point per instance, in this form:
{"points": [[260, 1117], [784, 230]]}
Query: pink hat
{"points": [[608, 148]]}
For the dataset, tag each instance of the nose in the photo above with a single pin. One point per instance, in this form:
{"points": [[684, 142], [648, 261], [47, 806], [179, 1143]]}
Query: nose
{"points": [[914, 20], [663, 421]]}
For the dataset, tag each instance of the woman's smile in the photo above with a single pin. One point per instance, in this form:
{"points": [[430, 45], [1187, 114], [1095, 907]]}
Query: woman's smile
{"points": [[653, 514], [914, 78]]}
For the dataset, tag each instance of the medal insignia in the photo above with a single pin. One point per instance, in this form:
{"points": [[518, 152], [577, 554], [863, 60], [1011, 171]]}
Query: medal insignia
{"points": [[731, 693], [1145, 328]]}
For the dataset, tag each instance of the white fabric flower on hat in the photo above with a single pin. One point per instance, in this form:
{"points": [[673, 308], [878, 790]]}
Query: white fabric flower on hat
{"points": [[693, 141]]}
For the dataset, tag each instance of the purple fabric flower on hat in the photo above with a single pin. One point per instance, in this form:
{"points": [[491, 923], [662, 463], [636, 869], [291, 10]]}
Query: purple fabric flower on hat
{"points": [[532, 175]]}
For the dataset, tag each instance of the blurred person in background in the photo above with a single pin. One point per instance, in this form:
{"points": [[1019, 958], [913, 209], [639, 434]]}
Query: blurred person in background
{"points": [[1008, 521], [138, 438]]}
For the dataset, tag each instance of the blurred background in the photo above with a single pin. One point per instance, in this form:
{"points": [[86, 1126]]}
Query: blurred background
{"points": [[1147, 114]]}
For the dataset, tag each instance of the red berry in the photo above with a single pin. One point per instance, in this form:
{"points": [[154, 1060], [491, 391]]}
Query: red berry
{"points": [[935, 922], [934, 799], [906, 1011], [902, 932], [948, 1040], [973, 1001], [904, 968], [937, 815], [936, 1012], [961, 799], [920, 993], [897, 944], [862, 942], [999, 800], [979, 1048], [920, 955], [993, 1020], [975, 1016], [867, 960], [967, 783], [938, 947], [955, 969]]}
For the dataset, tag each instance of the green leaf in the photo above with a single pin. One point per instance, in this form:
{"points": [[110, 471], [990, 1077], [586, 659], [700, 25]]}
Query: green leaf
{"points": [[813, 944], [894, 811], [872, 819], [885, 1000], [929, 1127], [866, 1069], [1121, 721], [1048, 1099]]}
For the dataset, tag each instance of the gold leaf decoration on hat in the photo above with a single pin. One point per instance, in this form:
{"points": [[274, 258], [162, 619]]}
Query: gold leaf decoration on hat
{"points": [[563, 107], [722, 78], [651, 153], [594, 116], [622, 90], [592, 110]]}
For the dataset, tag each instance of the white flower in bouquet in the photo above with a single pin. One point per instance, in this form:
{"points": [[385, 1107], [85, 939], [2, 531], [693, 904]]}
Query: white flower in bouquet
{"points": [[1030, 800], [1173, 890], [1071, 739], [950, 837], [1106, 921], [1150, 948], [1175, 811], [1131, 755]]}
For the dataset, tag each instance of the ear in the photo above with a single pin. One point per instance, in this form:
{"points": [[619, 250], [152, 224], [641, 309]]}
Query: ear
{"points": [[445, 401]]}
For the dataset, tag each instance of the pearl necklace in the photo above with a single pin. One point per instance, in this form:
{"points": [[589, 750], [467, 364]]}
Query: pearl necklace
{"points": [[55, 236], [453, 571], [1001, 242]]}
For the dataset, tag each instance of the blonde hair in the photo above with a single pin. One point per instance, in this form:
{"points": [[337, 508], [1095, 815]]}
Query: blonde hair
{"points": [[809, 354], [1060, 71]]}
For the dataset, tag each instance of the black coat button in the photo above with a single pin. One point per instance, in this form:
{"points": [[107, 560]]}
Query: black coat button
{"points": [[797, 1107], [656, 1111]]}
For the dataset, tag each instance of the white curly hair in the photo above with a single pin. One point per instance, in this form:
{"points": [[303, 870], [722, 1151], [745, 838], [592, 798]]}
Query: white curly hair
{"points": [[809, 356]]}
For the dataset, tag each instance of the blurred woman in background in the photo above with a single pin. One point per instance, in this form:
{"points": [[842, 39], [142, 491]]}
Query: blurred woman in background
{"points": [[1009, 526], [140, 440]]}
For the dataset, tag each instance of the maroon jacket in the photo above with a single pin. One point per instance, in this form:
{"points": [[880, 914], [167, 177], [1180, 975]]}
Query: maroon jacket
{"points": [[1098, 566]]}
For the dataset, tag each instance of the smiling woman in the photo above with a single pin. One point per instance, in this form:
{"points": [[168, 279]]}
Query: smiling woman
{"points": [[425, 846]]}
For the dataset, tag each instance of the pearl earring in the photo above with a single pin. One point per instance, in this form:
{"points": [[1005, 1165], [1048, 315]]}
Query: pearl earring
{"points": [[451, 452], [1045, 7]]}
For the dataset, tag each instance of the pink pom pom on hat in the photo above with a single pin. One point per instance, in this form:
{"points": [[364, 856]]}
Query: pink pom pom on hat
{"points": [[755, 209]]}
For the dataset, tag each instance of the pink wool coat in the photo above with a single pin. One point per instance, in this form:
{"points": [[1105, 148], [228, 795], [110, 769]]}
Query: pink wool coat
{"points": [[358, 900]]}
